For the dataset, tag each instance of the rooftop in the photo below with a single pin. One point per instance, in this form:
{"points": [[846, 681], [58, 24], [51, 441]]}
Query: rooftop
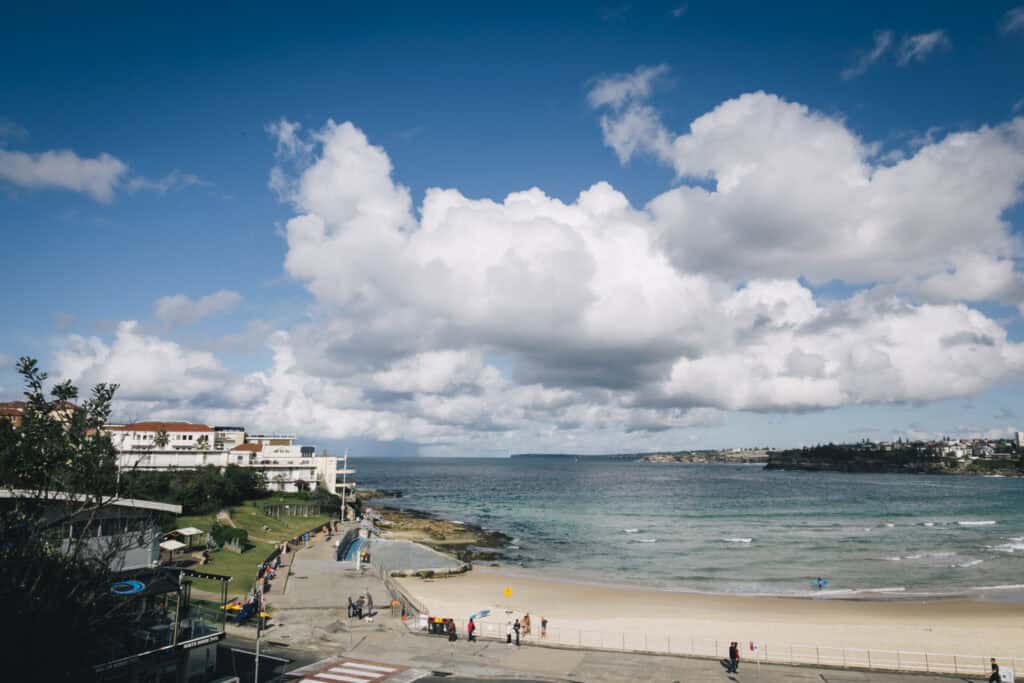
{"points": [[165, 426], [77, 497]]}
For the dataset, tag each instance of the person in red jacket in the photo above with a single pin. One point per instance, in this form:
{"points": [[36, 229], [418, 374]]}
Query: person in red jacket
{"points": [[471, 630]]}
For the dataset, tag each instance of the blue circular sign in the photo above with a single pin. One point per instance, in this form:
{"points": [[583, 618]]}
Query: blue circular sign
{"points": [[127, 587]]}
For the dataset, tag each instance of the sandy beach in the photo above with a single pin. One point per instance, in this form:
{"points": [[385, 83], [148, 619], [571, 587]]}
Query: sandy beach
{"points": [[612, 615]]}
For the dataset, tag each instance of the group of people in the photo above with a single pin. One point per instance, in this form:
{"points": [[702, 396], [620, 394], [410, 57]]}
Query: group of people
{"points": [[362, 607], [267, 571], [513, 629], [524, 627]]}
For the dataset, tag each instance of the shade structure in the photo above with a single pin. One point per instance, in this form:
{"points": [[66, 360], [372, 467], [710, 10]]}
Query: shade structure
{"points": [[188, 531], [172, 545]]}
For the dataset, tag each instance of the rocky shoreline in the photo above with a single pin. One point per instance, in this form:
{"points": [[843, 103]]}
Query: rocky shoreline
{"points": [[467, 542]]}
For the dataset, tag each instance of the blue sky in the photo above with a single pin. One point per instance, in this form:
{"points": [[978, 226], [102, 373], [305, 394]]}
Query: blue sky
{"points": [[486, 101]]}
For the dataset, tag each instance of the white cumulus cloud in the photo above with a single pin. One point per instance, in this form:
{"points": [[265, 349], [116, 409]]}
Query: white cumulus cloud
{"points": [[96, 177]]}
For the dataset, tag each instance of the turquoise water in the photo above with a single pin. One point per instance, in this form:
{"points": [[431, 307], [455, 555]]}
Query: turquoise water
{"points": [[728, 528]]}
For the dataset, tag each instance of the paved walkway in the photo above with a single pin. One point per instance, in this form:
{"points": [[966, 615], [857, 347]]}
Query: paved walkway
{"points": [[310, 619]]}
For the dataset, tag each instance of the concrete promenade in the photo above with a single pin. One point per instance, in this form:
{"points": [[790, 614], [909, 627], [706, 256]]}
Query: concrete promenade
{"points": [[310, 623]]}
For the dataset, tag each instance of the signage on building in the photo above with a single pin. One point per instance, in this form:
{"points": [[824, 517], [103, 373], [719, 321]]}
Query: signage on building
{"points": [[198, 642]]}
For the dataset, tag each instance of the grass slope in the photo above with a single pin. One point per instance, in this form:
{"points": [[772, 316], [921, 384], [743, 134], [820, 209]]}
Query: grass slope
{"points": [[264, 533]]}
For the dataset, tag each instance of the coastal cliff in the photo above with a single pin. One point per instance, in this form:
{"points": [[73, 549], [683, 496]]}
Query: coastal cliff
{"points": [[907, 459], [705, 457], [709, 457]]}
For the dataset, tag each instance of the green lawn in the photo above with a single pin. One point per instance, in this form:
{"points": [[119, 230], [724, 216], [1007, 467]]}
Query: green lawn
{"points": [[249, 516]]}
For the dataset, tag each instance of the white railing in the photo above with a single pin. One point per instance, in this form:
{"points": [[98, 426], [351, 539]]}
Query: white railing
{"points": [[765, 652]]}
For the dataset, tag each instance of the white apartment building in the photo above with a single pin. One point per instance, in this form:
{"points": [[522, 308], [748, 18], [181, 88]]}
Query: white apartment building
{"points": [[184, 445]]}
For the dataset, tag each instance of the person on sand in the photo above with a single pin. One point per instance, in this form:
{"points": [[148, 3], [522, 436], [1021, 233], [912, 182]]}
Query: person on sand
{"points": [[543, 627], [517, 627], [452, 637], [526, 624], [508, 633], [351, 607], [734, 657], [471, 630], [994, 678]]}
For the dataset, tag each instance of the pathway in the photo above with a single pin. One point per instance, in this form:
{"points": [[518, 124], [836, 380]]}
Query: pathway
{"points": [[310, 620]]}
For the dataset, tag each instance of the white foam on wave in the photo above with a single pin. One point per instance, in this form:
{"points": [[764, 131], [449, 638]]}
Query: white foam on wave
{"points": [[929, 524], [839, 592], [460, 523], [968, 522], [1001, 587], [1013, 545], [646, 540], [890, 525], [631, 531], [965, 565], [738, 540]]}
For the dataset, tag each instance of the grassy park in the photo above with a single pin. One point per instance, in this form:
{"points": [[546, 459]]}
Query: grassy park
{"points": [[264, 532]]}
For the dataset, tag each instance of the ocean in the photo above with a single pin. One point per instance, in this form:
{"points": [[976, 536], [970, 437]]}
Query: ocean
{"points": [[728, 528]]}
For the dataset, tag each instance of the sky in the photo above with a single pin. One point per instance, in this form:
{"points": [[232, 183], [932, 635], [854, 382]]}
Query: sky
{"points": [[440, 229]]}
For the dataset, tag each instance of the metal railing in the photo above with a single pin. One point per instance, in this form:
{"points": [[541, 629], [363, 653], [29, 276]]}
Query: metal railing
{"points": [[767, 652], [410, 606]]}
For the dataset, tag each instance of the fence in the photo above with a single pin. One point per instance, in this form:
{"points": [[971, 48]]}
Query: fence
{"points": [[411, 607], [765, 652]]}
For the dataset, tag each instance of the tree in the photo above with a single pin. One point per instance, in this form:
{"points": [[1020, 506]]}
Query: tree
{"points": [[203, 442], [301, 485], [161, 439], [57, 468]]}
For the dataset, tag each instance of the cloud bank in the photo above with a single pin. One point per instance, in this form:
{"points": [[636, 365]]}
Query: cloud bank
{"points": [[489, 325]]}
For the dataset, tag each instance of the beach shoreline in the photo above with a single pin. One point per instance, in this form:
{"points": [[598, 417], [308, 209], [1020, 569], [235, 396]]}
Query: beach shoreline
{"points": [[944, 625]]}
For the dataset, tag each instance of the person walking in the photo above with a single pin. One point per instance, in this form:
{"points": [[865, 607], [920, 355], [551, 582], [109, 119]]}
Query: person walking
{"points": [[543, 627], [351, 607], [471, 630], [508, 633], [526, 624], [994, 678], [452, 637], [517, 627], [734, 657]]}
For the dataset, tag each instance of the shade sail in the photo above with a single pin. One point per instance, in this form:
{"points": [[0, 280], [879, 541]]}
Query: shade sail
{"points": [[188, 531], [172, 545]]}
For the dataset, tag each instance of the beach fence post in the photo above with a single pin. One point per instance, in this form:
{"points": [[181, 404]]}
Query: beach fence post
{"points": [[955, 668], [869, 660], [623, 640], [899, 664], [716, 648], [791, 653], [645, 641], [926, 667], [817, 654], [844, 657], [692, 650]]}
